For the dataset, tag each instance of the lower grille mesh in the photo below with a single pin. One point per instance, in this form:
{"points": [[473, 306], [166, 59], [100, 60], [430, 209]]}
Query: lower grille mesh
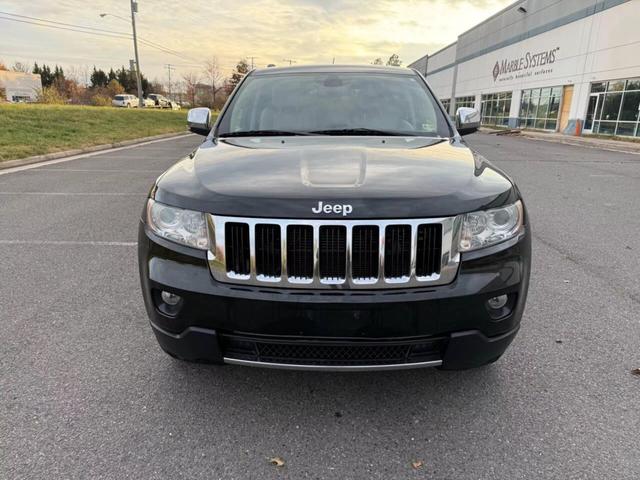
{"points": [[331, 353]]}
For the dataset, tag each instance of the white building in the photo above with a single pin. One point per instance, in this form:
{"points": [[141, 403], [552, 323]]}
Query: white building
{"points": [[560, 65], [20, 87]]}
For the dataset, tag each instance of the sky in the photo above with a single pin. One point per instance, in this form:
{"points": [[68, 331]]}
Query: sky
{"points": [[271, 31]]}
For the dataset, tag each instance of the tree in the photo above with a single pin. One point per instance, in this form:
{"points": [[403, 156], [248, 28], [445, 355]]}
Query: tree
{"points": [[21, 67], [98, 78], [377, 61], [242, 68], [114, 88], [127, 79], [3, 66], [111, 75], [215, 78], [190, 83], [394, 60]]}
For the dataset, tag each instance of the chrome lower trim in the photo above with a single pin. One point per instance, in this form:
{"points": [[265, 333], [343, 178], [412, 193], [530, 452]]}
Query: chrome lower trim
{"points": [[449, 261], [333, 368]]}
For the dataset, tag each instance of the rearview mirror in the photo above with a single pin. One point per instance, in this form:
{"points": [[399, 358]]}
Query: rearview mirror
{"points": [[467, 120], [199, 120]]}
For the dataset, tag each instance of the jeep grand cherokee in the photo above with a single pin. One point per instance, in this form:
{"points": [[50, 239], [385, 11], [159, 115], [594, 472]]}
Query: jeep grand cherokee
{"points": [[334, 219]]}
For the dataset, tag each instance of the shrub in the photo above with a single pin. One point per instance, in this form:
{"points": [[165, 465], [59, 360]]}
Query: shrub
{"points": [[114, 88], [50, 95], [100, 100]]}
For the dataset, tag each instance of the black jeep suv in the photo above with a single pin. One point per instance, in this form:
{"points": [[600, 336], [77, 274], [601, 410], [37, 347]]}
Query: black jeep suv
{"points": [[333, 219]]}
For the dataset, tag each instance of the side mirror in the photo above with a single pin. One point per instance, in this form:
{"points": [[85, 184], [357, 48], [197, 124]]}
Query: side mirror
{"points": [[199, 120], [467, 120]]}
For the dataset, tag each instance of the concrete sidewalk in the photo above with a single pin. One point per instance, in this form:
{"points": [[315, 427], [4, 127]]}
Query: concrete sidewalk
{"points": [[586, 141]]}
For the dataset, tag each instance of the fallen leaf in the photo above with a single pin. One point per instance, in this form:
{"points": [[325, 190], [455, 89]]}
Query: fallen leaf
{"points": [[635, 371], [558, 341], [417, 464], [276, 461]]}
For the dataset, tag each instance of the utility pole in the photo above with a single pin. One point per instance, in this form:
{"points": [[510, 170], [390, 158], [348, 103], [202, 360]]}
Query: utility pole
{"points": [[252, 59], [289, 60], [169, 67], [134, 10]]}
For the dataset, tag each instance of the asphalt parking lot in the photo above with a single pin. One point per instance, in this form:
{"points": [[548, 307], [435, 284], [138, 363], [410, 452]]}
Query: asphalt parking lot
{"points": [[85, 392]]}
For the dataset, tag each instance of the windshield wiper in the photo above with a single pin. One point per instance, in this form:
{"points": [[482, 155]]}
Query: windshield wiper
{"points": [[360, 131], [263, 133]]}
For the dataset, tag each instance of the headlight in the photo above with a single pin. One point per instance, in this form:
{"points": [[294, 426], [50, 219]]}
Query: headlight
{"points": [[488, 227], [178, 225]]}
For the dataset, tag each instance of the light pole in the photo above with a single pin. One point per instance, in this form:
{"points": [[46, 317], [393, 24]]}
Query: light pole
{"points": [[134, 10]]}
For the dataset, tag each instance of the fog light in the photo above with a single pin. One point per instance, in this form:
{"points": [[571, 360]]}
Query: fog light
{"points": [[497, 303], [170, 298]]}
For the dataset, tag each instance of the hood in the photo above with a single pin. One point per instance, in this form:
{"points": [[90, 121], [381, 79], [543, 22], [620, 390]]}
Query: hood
{"points": [[378, 177]]}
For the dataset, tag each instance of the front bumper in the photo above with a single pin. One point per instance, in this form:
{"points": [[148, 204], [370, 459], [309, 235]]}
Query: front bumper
{"points": [[449, 326]]}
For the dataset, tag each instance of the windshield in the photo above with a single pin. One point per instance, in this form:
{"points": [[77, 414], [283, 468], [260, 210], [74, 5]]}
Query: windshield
{"points": [[333, 104]]}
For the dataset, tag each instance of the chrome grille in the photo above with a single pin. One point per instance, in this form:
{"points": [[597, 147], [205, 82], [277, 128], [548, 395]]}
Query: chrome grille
{"points": [[342, 254]]}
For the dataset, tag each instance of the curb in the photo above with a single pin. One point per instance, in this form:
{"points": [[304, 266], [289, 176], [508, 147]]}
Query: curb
{"points": [[581, 141], [78, 151]]}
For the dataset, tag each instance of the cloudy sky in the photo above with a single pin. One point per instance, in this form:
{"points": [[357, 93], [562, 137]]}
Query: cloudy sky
{"points": [[307, 31]]}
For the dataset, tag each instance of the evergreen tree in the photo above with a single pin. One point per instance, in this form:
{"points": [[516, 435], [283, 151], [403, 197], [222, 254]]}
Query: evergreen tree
{"points": [[98, 78]]}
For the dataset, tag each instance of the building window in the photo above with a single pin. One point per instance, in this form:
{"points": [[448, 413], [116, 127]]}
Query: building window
{"points": [[446, 103], [467, 102], [495, 108], [616, 108], [539, 108]]}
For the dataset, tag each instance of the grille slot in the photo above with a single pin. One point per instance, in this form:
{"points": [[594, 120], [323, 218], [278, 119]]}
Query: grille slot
{"points": [[268, 251], [300, 251], [429, 250], [365, 256], [333, 252], [237, 248], [397, 251]]}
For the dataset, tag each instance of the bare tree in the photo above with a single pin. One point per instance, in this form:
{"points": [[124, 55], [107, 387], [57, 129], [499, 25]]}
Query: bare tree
{"points": [[377, 61], [191, 80], [394, 60], [21, 67], [214, 77]]}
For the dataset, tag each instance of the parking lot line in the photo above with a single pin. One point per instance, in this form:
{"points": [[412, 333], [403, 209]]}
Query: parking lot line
{"points": [[96, 170], [86, 155], [68, 242], [78, 194]]}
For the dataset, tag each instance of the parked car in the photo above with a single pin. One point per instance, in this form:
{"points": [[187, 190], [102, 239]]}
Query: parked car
{"points": [[334, 218], [149, 103], [125, 100], [160, 101]]}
